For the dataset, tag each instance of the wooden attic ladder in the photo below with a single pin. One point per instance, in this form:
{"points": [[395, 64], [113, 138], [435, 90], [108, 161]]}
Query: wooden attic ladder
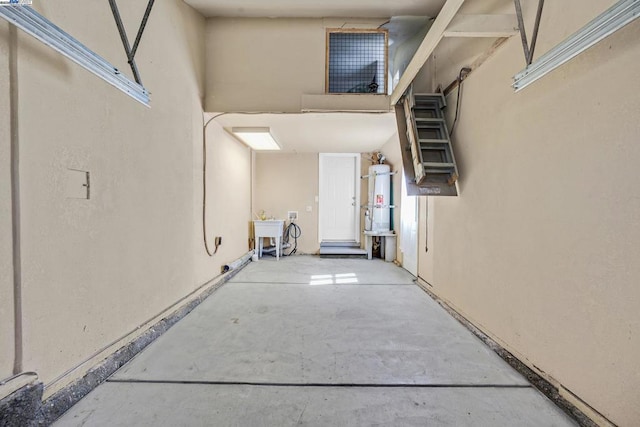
{"points": [[428, 159]]}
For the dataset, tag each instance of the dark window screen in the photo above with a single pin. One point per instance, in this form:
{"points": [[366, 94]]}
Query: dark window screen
{"points": [[357, 63]]}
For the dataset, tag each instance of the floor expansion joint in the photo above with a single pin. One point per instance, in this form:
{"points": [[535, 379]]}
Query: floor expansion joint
{"points": [[328, 284], [327, 385]]}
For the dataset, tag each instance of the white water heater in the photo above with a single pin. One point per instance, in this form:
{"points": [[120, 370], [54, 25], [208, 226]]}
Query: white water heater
{"points": [[379, 198]]}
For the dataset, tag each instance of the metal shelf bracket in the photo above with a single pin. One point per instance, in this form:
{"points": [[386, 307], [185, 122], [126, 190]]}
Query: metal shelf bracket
{"points": [[528, 49], [36, 25], [131, 50]]}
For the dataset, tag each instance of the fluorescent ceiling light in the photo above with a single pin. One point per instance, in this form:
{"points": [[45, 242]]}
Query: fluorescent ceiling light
{"points": [[36, 25], [259, 139], [609, 22]]}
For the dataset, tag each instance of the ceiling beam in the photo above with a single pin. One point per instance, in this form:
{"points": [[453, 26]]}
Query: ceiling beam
{"points": [[428, 45], [482, 26]]}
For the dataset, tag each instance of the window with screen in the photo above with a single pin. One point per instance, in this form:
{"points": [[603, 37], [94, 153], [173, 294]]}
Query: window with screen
{"points": [[356, 61]]}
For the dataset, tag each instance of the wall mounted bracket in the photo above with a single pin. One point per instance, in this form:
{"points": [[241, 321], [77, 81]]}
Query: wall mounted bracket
{"points": [[608, 22], [528, 49], [131, 50], [36, 25]]}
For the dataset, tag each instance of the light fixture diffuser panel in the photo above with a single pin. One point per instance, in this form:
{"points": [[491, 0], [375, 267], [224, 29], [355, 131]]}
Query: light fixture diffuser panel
{"points": [[258, 138]]}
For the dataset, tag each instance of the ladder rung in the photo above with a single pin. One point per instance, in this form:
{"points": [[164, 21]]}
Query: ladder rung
{"points": [[439, 171], [434, 105], [433, 141], [430, 107], [429, 119], [438, 165], [425, 99], [437, 95]]}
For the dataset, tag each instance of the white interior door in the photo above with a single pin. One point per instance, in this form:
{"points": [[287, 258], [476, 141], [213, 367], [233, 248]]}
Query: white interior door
{"points": [[409, 230], [339, 197]]}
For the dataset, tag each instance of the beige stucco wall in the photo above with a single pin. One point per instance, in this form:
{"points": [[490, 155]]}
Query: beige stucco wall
{"points": [[391, 151], [228, 210], [289, 182], [88, 264], [541, 248], [264, 64], [6, 266]]}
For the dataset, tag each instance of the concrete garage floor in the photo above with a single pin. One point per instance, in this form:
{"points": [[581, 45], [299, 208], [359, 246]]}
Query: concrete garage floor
{"points": [[318, 342]]}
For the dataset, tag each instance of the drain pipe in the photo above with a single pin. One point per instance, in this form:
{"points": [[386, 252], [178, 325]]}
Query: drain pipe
{"points": [[15, 198], [237, 263]]}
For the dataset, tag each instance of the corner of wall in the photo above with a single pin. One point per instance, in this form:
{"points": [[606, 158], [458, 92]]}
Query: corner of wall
{"points": [[6, 250]]}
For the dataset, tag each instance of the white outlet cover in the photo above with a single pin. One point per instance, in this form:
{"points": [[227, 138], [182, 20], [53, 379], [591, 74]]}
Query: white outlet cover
{"points": [[292, 215]]}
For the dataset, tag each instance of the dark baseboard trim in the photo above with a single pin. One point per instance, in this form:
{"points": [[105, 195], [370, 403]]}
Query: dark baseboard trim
{"points": [[544, 386], [52, 408], [19, 407]]}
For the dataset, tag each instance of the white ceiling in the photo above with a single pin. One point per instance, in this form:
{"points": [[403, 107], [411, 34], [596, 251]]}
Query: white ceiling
{"points": [[316, 8], [321, 132]]}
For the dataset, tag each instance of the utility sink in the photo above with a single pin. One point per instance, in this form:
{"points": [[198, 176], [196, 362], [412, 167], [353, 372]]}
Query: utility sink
{"points": [[272, 228]]}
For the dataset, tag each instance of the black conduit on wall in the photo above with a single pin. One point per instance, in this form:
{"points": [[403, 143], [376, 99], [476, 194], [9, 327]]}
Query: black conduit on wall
{"points": [[15, 198]]}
